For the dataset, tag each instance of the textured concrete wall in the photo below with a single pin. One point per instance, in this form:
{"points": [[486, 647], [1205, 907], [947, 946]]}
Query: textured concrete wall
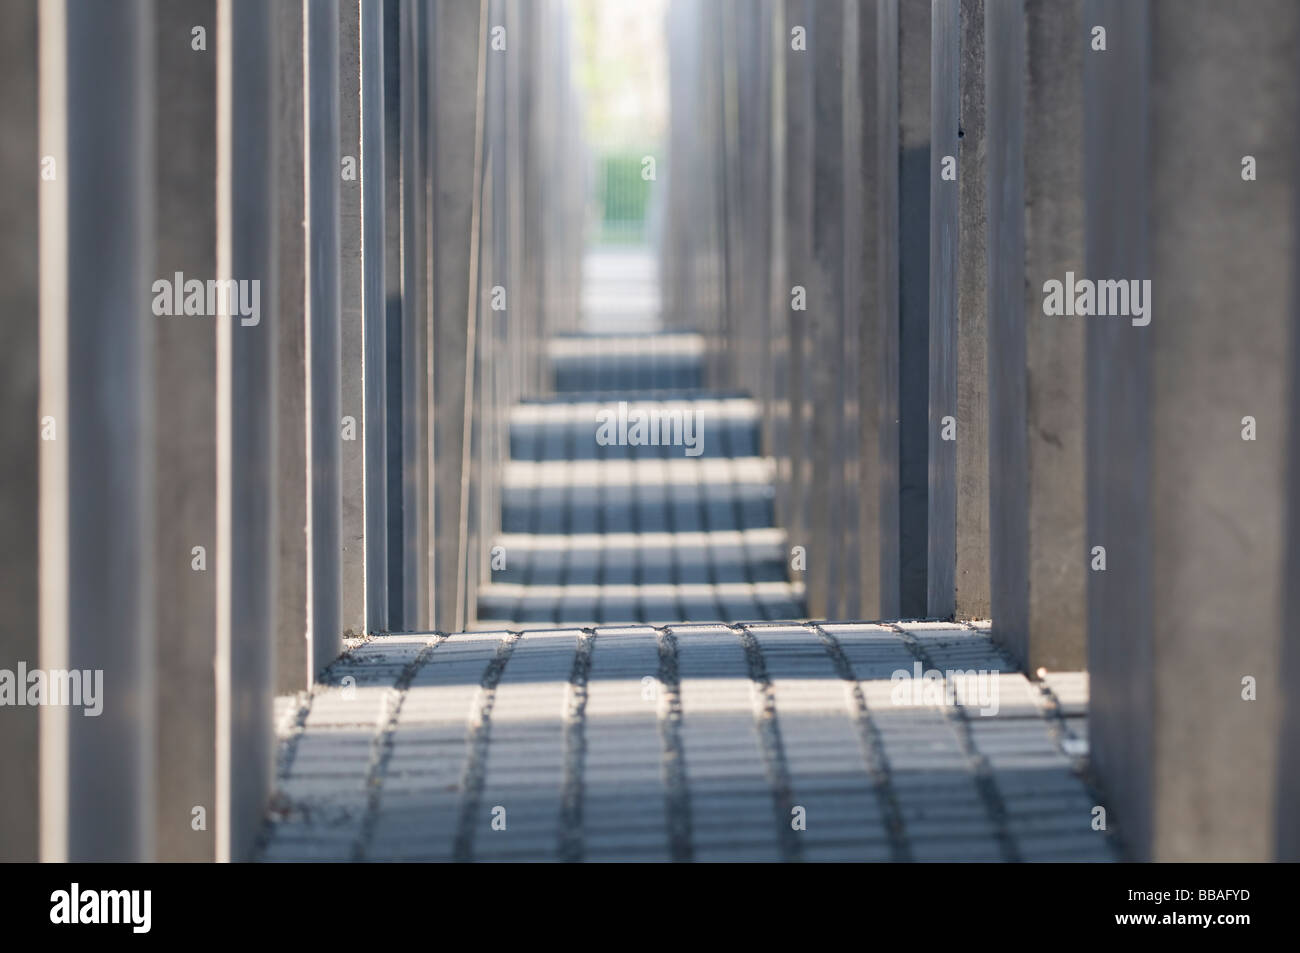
{"points": [[96, 534], [185, 408], [1288, 742], [20, 417], [392, 120], [352, 332], [459, 39], [799, 124], [414, 315], [292, 663], [861, 296], [374, 225], [1190, 513], [957, 570], [1038, 560], [323, 348], [779, 407], [96, 528], [903, 118], [248, 533], [829, 536], [309, 634]]}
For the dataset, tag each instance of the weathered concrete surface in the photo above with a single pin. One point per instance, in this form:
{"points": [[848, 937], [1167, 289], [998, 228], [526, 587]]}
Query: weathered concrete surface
{"points": [[374, 311], [415, 310], [460, 35], [309, 424], [353, 575], [826, 317], [1191, 514], [96, 528], [957, 573], [903, 119], [323, 418], [292, 662], [1037, 560], [20, 423], [1288, 786], [373, 163], [799, 125], [691, 742], [393, 411], [185, 409], [861, 295], [248, 533]]}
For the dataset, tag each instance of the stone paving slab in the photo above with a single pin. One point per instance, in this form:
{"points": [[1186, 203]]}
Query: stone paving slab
{"points": [[722, 742]]}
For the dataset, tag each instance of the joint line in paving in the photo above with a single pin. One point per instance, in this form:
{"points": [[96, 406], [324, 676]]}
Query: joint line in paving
{"points": [[1059, 731], [981, 769], [873, 749], [476, 749], [571, 842], [291, 731], [381, 745], [676, 793], [769, 737]]}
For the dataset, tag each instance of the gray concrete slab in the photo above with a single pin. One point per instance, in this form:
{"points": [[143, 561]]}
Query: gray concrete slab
{"points": [[353, 429], [249, 479], [1038, 560], [20, 414], [1194, 532], [185, 409], [957, 575], [97, 377], [903, 119]]}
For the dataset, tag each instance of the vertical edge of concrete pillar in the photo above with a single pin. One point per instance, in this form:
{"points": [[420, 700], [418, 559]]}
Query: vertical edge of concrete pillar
{"points": [[1219, 503], [861, 264], [248, 478], [1196, 521], [913, 301], [886, 356], [185, 409], [392, 119], [1038, 561], [354, 425], [21, 185], [945, 415], [903, 70], [413, 298], [423, 334], [428, 355], [1120, 650], [374, 306], [292, 659], [825, 318], [456, 64], [799, 68], [777, 310], [96, 549], [323, 443], [1287, 847], [957, 571], [848, 399]]}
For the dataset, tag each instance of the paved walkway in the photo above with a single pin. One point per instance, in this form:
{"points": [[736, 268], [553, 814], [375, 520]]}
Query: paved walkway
{"points": [[763, 742], [632, 493]]}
